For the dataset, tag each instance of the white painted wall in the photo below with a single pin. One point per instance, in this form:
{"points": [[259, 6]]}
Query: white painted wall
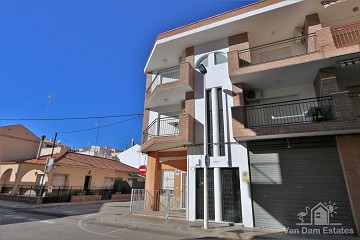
{"points": [[235, 154], [133, 156]]}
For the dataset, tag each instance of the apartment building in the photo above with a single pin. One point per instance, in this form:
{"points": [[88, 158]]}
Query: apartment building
{"points": [[277, 111]]}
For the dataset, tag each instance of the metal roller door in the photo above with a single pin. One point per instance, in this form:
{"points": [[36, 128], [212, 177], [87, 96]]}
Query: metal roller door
{"points": [[289, 175]]}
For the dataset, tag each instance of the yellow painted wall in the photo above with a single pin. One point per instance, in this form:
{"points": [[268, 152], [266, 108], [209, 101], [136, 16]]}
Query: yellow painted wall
{"points": [[4, 178], [76, 175]]}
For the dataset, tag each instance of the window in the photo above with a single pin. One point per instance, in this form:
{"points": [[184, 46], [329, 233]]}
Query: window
{"points": [[59, 180], [221, 123], [210, 126], [167, 180], [108, 182], [204, 61], [220, 58]]}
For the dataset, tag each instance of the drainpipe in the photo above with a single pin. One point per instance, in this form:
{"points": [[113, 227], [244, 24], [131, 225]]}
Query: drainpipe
{"points": [[40, 146]]}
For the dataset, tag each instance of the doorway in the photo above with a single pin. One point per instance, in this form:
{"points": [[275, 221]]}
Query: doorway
{"points": [[87, 182]]}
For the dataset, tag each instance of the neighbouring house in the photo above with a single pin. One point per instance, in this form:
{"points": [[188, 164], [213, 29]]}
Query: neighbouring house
{"points": [[49, 145], [277, 109], [17, 143], [105, 152], [133, 156], [69, 170]]}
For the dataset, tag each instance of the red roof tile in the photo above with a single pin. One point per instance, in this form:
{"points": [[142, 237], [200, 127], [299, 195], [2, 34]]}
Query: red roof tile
{"points": [[81, 160]]}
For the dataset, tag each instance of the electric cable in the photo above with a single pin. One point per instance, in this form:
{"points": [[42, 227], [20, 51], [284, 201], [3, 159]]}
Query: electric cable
{"points": [[102, 126], [70, 118]]}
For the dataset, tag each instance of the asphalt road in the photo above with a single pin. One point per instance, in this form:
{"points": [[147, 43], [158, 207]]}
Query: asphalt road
{"points": [[82, 222]]}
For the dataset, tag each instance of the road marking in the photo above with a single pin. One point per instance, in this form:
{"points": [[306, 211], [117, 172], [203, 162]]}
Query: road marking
{"points": [[80, 224], [118, 230], [47, 221]]}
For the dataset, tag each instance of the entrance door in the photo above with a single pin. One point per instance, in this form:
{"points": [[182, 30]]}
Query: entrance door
{"points": [[87, 182], [40, 181], [200, 193], [231, 201]]}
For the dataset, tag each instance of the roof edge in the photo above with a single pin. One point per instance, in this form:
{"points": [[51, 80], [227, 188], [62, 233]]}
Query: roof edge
{"points": [[212, 19]]}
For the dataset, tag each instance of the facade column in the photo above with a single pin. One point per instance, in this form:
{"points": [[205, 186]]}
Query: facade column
{"points": [[151, 183], [216, 151], [326, 82], [348, 148], [311, 25]]}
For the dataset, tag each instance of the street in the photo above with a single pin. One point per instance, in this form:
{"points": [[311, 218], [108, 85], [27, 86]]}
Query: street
{"points": [[88, 222]]}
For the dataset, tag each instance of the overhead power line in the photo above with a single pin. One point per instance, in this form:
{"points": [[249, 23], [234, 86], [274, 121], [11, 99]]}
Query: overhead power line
{"points": [[102, 126], [70, 118]]}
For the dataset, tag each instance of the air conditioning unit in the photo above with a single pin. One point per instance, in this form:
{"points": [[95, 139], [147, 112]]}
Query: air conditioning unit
{"points": [[253, 95]]}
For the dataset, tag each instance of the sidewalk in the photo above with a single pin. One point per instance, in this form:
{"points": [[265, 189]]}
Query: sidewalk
{"points": [[216, 230]]}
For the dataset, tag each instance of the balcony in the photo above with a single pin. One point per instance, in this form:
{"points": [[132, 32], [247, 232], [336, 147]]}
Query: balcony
{"points": [[164, 76], [355, 101], [168, 133], [307, 53], [278, 50], [289, 112], [169, 86], [162, 127], [313, 116], [346, 35]]}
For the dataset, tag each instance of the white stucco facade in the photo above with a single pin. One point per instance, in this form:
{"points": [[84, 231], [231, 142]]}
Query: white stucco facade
{"points": [[133, 156], [235, 154]]}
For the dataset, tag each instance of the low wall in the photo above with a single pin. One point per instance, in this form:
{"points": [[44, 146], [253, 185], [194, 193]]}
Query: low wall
{"points": [[23, 199], [85, 198], [123, 197]]}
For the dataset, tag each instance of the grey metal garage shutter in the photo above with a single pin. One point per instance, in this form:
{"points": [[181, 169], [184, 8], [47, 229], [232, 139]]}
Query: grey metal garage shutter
{"points": [[289, 175]]}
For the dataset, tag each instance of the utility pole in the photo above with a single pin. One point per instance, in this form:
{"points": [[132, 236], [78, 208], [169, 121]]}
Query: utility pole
{"points": [[97, 132], [46, 111], [203, 71]]}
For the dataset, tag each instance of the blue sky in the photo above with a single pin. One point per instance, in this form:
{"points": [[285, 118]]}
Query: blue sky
{"points": [[90, 56]]}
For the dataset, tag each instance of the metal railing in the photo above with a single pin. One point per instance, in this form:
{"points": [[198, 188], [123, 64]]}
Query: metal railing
{"points": [[355, 100], [164, 76], [346, 35], [61, 194], [289, 112], [278, 50], [161, 202], [162, 127], [6, 189]]}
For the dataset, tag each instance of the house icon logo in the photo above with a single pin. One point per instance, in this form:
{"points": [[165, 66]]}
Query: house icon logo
{"points": [[319, 215]]}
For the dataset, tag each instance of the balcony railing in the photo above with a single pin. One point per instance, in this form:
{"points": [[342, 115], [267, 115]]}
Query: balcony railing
{"points": [[278, 50], [162, 127], [289, 112], [164, 76], [346, 35], [355, 100]]}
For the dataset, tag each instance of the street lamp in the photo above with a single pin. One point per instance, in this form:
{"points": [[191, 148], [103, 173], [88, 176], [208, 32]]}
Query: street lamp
{"points": [[203, 71]]}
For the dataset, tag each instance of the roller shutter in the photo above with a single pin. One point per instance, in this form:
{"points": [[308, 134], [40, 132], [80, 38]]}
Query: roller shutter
{"points": [[289, 175]]}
